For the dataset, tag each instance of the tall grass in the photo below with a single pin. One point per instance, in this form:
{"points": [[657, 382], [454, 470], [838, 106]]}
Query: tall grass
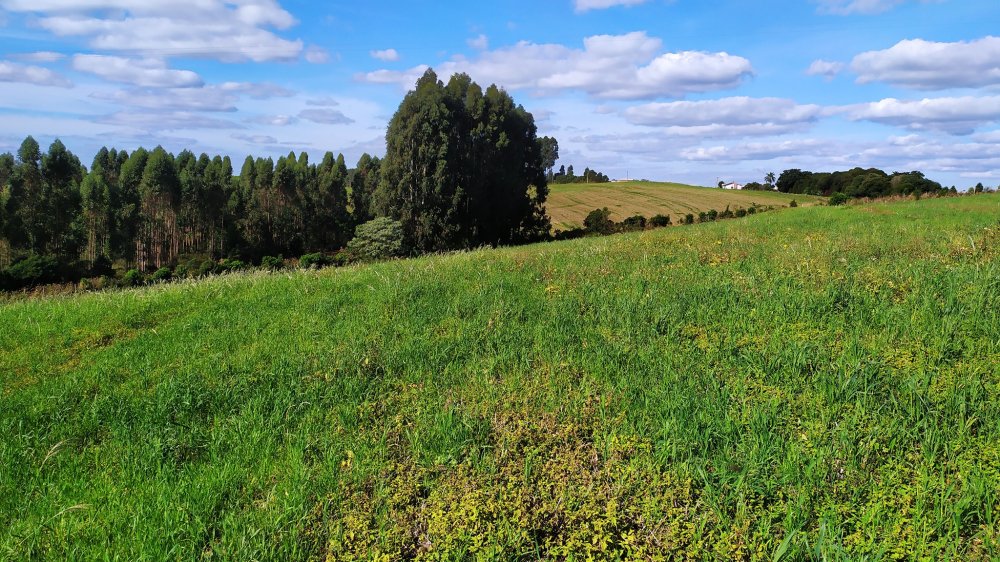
{"points": [[820, 383]]}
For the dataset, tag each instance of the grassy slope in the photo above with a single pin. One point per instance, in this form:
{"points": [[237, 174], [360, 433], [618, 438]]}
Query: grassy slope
{"points": [[568, 204], [826, 375]]}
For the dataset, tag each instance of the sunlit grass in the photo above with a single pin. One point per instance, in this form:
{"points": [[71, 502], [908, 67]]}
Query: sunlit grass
{"points": [[818, 383]]}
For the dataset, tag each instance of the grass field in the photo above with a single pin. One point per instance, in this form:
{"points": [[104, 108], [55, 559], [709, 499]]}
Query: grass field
{"points": [[568, 204], [819, 383]]}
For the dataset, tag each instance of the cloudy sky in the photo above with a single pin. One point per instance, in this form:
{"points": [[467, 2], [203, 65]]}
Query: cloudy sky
{"points": [[683, 90]]}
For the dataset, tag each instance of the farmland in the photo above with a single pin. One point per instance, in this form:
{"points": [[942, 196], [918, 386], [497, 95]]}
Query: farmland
{"points": [[812, 383], [568, 204]]}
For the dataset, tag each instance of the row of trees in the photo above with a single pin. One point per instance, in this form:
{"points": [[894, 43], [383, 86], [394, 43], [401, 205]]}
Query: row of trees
{"points": [[463, 168], [568, 175], [858, 182]]}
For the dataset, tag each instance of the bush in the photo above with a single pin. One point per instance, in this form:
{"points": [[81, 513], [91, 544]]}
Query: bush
{"points": [[161, 275], [598, 221], [794, 203], [272, 263], [689, 219], [838, 198], [230, 264], [740, 213], [102, 266], [660, 221], [378, 239], [207, 267], [32, 270], [132, 278], [712, 214], [637, 222], [314, 261]]}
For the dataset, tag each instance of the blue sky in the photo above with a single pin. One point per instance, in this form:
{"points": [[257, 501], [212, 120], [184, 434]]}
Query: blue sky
{"points": [[678, 90]]}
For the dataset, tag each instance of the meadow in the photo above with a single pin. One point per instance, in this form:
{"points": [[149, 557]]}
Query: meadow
{"points": [[820, 383], [568, 204]]}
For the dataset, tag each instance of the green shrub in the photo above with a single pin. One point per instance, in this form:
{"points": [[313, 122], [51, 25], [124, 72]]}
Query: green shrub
{"points": [[637, 222], [378, 239], [740, 213], [33, 270], [230, 264], [133, 278], [272, 262], [689, 219], [599, 221], [314, 261], [207, 267], [712, 214], [161, 275], [838, 198], [794, 203], [660, 221]]}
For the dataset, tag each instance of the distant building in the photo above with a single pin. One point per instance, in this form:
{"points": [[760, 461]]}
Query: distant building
{"points": [[732, 185]]}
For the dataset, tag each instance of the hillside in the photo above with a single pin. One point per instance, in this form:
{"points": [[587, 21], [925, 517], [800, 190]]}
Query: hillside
{"points": [[816, 383], [568, 204]]}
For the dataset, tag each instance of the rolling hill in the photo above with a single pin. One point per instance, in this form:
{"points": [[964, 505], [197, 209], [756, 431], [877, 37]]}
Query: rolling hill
{"points": [[812, 383], [568, 204]]}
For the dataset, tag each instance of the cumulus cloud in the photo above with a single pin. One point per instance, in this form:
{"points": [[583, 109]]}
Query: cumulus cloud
{"points": [[929, 65], [953, 115], [146, 72], [587, 5], [387, 55], [231, 31], [213, 98], [760, 150], [608, 67], [29, 74], [726, 117], [826, 69], [325, 116]]}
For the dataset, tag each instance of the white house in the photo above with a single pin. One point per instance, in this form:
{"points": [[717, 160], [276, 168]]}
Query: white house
{"points": [[732, 185]]}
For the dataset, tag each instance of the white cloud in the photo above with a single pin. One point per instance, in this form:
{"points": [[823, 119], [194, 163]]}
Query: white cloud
{"points": [[165, 121], [325, 116], [317, 55], [39, 56], [848, 7], [273, 120], [219, 29], [954, 115], [608, 67], [928, 65], [587, 5], [826, 69], [255, 139], [256, 90], [759, 150], [387, 55], [323, 102], [28, 74], [726, 117], [149, 73], [481, 43]]}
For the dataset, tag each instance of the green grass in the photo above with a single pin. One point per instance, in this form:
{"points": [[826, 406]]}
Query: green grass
{"points": [[568, 204], [812, 384]]}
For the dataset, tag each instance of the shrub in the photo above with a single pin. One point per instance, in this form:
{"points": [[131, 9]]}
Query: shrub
{"points": [[314, 261], [230, 264], [637, 222], [273, 263], [838, 198], [378, 239], [689, 219], [598, 221], [740, 213], [132, 278], [703, 217], [207, 267], [660, 221], [161, 275], [101, 266], [794, 203], [33, 270], [712, 214]]}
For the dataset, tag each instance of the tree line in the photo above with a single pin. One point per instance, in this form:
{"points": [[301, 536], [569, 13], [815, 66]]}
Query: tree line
{"points": [[463, 168], [857, 183]]}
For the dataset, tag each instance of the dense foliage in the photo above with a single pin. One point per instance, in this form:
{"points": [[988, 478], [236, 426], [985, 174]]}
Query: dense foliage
{"points": [[462, 168], [568, 175], [857, 182]]}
